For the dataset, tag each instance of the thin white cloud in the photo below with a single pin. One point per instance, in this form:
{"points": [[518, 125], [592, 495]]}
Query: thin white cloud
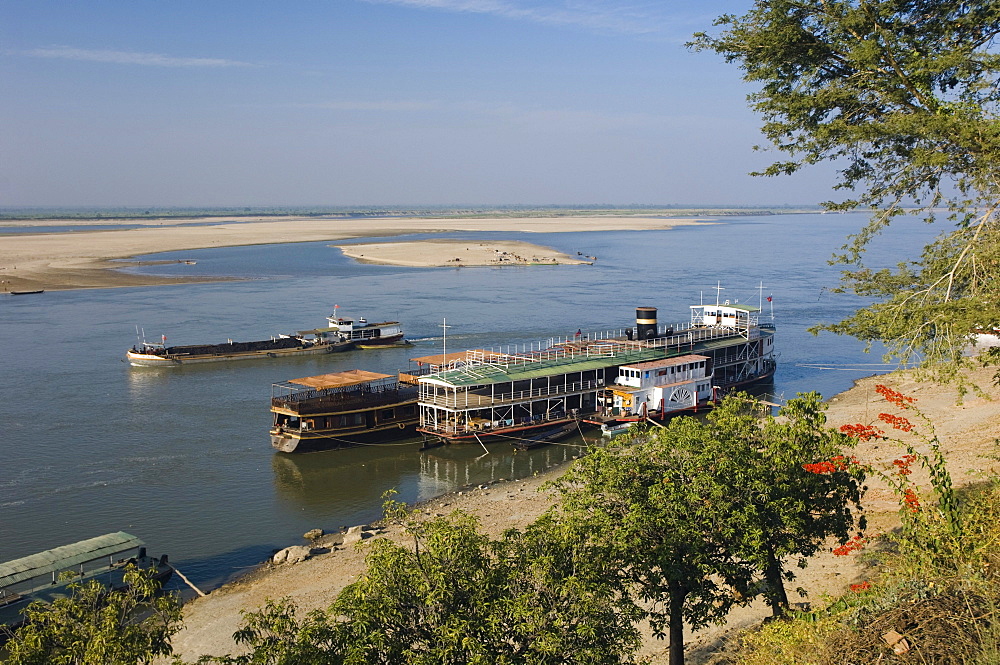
{"points": [[386, 106], [598, 15], [129, 57]]}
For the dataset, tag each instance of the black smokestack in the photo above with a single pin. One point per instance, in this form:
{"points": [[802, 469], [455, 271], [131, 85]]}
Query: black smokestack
{"points": [[645, 322]]}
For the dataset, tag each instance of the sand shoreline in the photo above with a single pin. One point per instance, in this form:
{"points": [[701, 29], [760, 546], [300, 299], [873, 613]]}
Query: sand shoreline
{"points": [[92, 259], [966, 432]]}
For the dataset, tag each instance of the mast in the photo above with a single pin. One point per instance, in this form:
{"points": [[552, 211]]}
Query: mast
{"points": [[444, 342]]}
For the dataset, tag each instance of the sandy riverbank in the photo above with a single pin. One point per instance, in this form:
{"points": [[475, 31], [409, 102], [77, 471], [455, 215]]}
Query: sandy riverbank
{"points": [[967, 432], [87, 258]]}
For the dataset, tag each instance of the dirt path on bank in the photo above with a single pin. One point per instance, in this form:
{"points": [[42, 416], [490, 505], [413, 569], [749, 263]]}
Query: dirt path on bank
{"points": [[966, 431]]}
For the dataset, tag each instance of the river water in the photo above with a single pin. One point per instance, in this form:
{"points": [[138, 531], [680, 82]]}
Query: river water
{"points": [[181, 456]]}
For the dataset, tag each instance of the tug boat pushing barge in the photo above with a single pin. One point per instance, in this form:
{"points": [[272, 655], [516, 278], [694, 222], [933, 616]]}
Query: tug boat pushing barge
{"points": [[340, 334]]}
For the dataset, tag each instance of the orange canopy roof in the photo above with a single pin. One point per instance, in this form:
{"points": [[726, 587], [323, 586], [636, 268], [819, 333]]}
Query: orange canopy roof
{"points": [[350, 377]]}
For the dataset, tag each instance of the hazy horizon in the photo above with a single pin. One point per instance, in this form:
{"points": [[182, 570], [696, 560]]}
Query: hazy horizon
{"points": [[360, 103]]}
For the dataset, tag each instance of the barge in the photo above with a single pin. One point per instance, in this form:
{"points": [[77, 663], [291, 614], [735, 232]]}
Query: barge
{"points": [[641, 372], [340, 335]]}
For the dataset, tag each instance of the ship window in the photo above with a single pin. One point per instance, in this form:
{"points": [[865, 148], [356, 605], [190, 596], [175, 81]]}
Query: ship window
{"points": [[387, 414]]}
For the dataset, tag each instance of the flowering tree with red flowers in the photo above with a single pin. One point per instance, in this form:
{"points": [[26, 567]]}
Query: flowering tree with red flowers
{"points": [[931, 519], [793, 485]]}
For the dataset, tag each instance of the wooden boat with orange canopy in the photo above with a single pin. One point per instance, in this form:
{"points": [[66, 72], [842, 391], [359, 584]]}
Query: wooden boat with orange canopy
{"points": [[341, 409], [349, 408]]}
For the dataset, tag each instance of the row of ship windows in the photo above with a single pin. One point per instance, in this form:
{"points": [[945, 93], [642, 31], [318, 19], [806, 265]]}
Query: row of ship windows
{"points": [[634, 373]]}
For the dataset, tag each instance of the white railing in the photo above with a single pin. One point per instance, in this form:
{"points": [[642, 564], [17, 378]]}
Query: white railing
{"points": [[466, 399]]}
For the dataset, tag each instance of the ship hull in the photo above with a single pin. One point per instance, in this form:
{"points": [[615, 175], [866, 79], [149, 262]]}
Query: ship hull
{"points": [[171, 360], [301, 442], [523, 437]]}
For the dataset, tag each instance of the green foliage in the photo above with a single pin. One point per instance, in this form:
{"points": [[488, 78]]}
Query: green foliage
{"points": [[692, 515], [902, 95], [455, 597], [274, 635], [783, 506], [94, 626]]}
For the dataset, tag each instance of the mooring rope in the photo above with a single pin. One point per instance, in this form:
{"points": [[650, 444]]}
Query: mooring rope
{"points": [[189, 582]]}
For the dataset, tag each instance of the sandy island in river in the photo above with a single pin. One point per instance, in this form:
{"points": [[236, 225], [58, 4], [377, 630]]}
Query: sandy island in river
{"points": [[460, 253], [967, 432], [88, 258]]}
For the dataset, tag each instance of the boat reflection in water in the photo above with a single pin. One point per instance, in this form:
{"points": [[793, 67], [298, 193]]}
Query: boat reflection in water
{"points": [[345, 487]]}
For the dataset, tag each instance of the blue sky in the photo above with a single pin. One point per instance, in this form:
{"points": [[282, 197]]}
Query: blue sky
{"points": [[375, 102]]}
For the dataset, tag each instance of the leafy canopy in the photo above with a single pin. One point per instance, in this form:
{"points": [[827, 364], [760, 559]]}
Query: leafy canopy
{"points": [[94, 626], [454, 596], [902, 95], [791, 483]]}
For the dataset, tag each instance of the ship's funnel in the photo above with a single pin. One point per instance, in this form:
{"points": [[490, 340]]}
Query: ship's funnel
{"points": [[645, 322]]}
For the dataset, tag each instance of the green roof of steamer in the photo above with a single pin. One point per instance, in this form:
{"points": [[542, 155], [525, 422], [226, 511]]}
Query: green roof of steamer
{"points": [[487, 374], [739, 306], [61, 558]]}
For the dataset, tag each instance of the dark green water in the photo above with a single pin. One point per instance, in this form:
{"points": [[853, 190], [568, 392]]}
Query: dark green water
{"points": [[181, 457]]}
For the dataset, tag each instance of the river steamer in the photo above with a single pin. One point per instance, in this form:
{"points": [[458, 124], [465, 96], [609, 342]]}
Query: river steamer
{"points": [[640, 371], [349, 408]]}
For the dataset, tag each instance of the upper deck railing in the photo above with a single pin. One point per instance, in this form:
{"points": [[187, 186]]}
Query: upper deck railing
{"points": [[467, 399], [600, 345]]}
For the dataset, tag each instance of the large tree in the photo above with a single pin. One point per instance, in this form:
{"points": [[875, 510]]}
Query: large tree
{"points": [[902, 96], [455, 596], [651, 515], [791, 483]]}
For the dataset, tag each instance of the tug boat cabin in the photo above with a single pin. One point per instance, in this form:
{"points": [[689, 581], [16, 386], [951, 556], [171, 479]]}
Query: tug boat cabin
{"points": [[361, 332]]}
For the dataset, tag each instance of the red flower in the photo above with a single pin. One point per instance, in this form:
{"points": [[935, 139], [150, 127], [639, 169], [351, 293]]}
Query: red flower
{"points": [[899, 422], [897, 398], [819, 467], [911, 500], [862, 432], [858, 588], [903, 464], [853, 545], [836, 463]]}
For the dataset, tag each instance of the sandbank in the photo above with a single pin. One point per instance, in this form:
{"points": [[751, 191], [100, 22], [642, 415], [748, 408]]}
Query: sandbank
{"points": [[458, 253], [89, 258], [966, 433]]}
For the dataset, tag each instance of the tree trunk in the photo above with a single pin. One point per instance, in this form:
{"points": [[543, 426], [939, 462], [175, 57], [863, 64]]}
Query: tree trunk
{"points": [[677, 595], [776, 595]]}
